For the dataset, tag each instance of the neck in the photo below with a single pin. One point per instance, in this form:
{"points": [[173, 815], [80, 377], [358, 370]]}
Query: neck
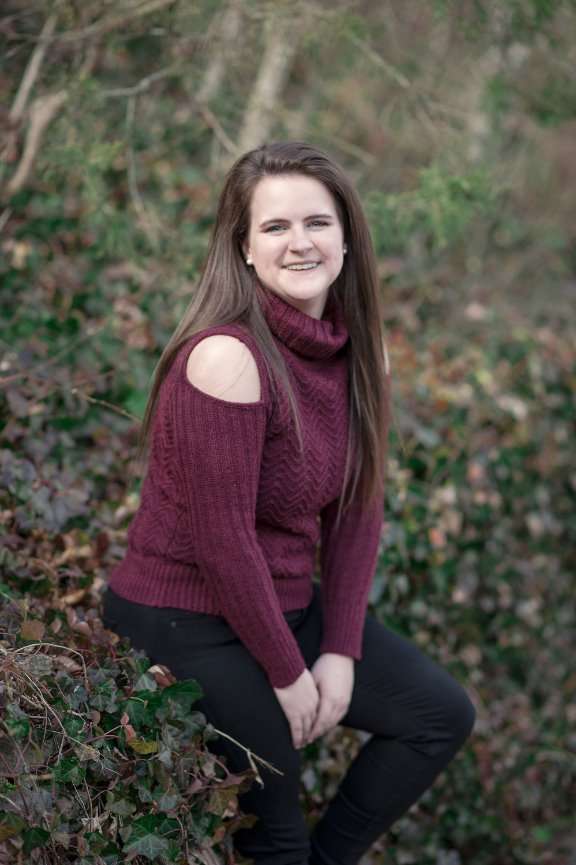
{"points": [[314, 307], [314, 336]]}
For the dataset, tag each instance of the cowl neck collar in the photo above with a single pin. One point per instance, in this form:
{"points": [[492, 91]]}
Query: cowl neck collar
{"points": [[307, 336]]}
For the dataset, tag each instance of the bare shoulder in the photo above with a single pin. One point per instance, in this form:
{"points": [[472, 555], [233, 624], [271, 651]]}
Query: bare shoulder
{"points": [[224, 367]]}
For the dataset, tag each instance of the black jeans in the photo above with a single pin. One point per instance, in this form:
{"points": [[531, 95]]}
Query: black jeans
{"points": [[418, 714]]}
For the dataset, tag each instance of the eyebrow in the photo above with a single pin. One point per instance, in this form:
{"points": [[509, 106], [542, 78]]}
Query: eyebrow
{"points": [[313, 216]]}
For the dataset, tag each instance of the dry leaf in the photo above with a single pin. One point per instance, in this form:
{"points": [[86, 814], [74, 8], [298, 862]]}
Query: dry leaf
{"points": [[32, 629]]}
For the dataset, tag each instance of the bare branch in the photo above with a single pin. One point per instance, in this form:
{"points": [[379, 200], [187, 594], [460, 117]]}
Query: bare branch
{"points": [[281, 42], [32, 69], [42, 113], [229, 32], [212, 121], [106, 25], [251, 756], [379, 61], [144, 84], [148, 221], [105, 403], [369, 159], [4, 217]]}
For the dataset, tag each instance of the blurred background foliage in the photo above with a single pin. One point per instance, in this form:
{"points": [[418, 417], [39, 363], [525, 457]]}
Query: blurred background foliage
{"points": [[457, 122]]}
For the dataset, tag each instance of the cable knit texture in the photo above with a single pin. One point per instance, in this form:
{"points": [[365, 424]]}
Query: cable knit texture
{"points": [[231, 513]]}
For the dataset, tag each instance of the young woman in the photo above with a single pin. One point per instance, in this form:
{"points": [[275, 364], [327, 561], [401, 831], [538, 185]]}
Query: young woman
{"points": [[266, 433]]}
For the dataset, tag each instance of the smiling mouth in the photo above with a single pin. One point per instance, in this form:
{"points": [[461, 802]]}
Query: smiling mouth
{"points": [[308, 265]]}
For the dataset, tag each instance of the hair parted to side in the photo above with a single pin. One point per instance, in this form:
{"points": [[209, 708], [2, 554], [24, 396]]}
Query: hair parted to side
{"points": [[228, 291]]}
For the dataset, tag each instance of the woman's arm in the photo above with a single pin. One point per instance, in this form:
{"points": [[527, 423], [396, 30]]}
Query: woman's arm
{"points": [[220, 421], [348, 555]]}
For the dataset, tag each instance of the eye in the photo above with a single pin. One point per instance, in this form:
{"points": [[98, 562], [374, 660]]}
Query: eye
{"points": [[271, 228], [320, 222]]}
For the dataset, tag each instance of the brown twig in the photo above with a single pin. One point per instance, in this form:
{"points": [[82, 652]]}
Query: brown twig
{"points": [[55, 646], [100, 28], [251, 757], [214, 124], [4, 217], [106, 404], [143, 84], [6, 380], [379, 61]]}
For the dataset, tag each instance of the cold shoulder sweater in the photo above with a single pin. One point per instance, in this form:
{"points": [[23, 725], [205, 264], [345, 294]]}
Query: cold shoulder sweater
{"points": [[231, 513]]}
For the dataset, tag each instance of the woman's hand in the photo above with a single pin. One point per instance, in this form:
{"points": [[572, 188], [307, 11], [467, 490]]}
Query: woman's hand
{"points": [[334, 677], [300, 704]]}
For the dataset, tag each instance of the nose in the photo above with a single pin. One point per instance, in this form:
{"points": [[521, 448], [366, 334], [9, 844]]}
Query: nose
{"points": [[299, 240]]}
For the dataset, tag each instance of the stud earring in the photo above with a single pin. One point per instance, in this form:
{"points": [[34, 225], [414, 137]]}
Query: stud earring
{"points": [[249, 260], [345, 249]]}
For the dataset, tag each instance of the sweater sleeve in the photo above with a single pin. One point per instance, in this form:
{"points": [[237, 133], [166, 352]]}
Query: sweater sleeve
{"points": [[220, 449], [349, 553]]}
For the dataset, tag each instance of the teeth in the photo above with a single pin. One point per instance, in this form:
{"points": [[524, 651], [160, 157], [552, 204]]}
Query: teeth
{"points": [[310, 266]]}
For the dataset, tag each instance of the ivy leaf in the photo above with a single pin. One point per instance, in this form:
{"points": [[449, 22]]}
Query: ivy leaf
{"points": [[182, 693], [168, 801], [34, 837], [146, 682], [69, 770], [11, 825], [16, 722], [223, 803], [149, 836], [143, 746], [148, 845], [122, 807]]}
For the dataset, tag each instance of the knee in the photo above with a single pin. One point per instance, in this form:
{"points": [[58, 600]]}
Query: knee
{"points": [[445, 719], [458, 713], [462, 714]]}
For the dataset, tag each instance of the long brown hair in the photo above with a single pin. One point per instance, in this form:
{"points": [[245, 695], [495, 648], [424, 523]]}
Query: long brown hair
{"points": [[228, 290]]}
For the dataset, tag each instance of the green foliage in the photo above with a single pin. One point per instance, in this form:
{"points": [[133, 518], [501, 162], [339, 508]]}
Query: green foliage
{"points": [[435, 214], [555, 103], [514, 20], [104, 758], [431, 110], [478, 567]]}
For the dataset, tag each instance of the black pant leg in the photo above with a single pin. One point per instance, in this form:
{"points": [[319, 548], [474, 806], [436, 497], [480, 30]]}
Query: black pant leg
{"points": [[420, 717], [239, 701], [418, 714]]}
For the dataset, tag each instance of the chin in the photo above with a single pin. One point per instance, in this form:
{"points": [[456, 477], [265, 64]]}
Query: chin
{"points": [[307, 296]]}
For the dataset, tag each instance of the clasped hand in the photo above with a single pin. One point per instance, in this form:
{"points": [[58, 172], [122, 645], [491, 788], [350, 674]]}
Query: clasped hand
{"points": [[319, 698]]}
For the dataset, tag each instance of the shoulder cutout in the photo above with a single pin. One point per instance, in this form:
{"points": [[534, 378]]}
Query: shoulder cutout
{"points": [[224, 367]]}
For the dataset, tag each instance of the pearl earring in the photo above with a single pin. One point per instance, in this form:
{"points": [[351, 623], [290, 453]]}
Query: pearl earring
{"points": [[345, 249], [249, 260]]}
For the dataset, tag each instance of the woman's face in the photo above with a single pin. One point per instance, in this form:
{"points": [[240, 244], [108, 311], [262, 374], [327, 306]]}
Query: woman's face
{"points": [[295, 239]]}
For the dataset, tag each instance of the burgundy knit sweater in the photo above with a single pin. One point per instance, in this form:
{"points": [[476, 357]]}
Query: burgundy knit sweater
{"points": [[231, 513]]}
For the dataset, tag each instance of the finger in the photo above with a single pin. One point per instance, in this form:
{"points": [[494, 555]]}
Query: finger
{"points": [[320, 722], [320, 730], [298, 734], [330, 715], [314, 731], [309, 735]]}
